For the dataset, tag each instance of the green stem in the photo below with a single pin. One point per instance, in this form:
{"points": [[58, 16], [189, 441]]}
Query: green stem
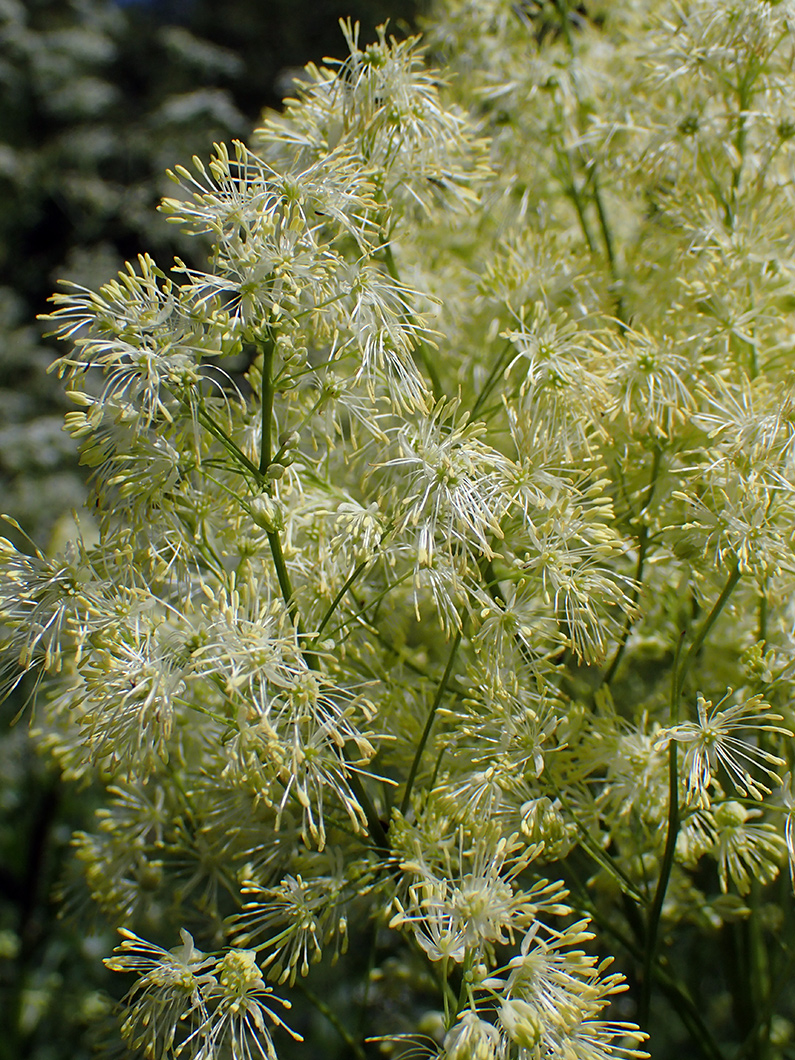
{"points": [[325, 1010], [604, 227], [643, 545], [437, 699], [563, 12], [488, 386], [401, 653], [335, 602], [593, 851], [764, 1016], [677, 683], [761, 633], [681, 1001], [229, 445], [464, 992], [374, 825], [283, 576], [655, 913], [607, 238], [734, 576], [268, 391], [363, 608], [570, 187]]}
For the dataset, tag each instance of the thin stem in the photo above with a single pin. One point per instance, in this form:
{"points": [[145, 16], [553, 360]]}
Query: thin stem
{"points": [[268, 391], [437, 699], [562, 8], [335, 602], [357, 616], [734, 576], [570, 187], [643, 545], [563, 12], [325, 1010], [604, 227], [683, 1004], [677, 683], [655, 913], [782, 980], [761, 631], [488, 386], [607, 238], [374, 825], [451, 1005], [401, 653], [592, 849], [229, 445], [283, 576]]}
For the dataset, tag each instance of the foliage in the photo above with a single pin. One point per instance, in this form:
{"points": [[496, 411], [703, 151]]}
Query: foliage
{"points": [[447, 654]]}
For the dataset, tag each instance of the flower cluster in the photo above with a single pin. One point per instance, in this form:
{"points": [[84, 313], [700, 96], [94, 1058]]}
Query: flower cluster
{"points": [[199, 1003], [425, 516]]}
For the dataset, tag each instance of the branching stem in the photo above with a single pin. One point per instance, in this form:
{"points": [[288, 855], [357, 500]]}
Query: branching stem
{"points": [[643, 546], [677, 683], [437, 699]]}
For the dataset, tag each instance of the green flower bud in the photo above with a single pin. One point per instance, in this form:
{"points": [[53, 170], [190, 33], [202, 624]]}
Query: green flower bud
{"points": [[267, 513]]}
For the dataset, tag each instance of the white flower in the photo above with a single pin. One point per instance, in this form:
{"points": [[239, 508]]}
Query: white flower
{"points": [[294, 920], [169, 990], [451, 484], [713, 742], [472, 1038], [128, 688], [44, 603], [382, 106], [651, 383], [452, 912], [297, 748], [216, 1004], [141, 333], [435, 926], [745, 849], [239, 1008]]}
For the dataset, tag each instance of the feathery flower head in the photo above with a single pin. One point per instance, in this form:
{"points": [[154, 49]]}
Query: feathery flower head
{"points": [[721, 740]]}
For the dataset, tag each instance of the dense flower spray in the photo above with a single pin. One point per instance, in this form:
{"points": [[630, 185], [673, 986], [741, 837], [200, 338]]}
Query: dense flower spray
{"points": [[431, 519]]}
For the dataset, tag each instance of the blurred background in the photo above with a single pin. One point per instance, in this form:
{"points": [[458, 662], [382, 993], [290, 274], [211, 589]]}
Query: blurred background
{"points": [[97, 99]]}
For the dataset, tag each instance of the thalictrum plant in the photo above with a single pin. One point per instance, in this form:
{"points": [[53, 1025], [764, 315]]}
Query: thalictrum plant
{"points": [[434, 612]]}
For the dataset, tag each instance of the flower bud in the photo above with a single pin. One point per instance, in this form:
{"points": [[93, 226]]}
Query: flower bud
{"points": [[267, 513]]}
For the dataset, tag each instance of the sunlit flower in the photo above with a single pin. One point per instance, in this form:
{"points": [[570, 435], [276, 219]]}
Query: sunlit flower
{"points": [[240, 1008], [296, 920], [450, 484], [472, 1038]]}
